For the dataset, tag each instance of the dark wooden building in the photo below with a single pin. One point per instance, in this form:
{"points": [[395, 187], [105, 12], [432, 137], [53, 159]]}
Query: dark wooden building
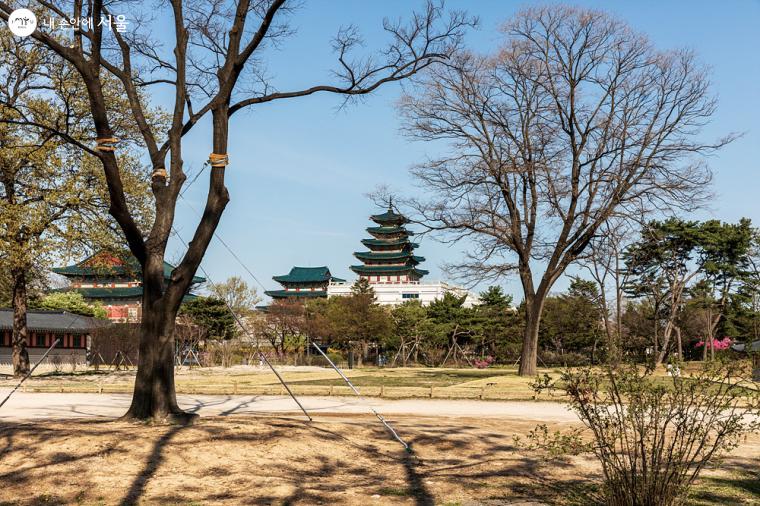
{"points": [[44, 327]]}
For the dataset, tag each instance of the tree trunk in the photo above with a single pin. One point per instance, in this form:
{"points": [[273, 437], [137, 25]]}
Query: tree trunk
{"points": [[529, 357], [154, 395], [665, 344], [679, 343], [20, 329]]}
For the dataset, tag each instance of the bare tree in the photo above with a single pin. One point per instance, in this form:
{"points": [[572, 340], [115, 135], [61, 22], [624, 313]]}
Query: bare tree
{"points": [[576, 119], [215, 67], [283, 320], [605, 263]]}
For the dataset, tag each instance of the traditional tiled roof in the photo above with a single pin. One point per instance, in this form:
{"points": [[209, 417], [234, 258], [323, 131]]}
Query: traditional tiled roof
{"points": [[393, 230], [387, 269], [102, 265], [283, 294], [106, 293], [377, 242], [390, 235], [389, 218], [52, 321], [307, 275], [132, 292], [391, 255]]}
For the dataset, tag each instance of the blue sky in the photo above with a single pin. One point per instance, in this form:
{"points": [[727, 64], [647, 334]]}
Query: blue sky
{"points": [[300, 169]]}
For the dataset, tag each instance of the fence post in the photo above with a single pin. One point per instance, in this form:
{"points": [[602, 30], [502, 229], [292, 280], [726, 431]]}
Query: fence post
{"points": [[331, 390], [431, 391], [482, 392], [382, 390]]}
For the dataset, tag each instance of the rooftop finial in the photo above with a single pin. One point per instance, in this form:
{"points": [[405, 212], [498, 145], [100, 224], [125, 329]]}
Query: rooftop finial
{"points": [[390, 203]]}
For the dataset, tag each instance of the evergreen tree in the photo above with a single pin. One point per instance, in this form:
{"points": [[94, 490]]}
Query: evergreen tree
{"points": [[495, 296], [212, 315]]}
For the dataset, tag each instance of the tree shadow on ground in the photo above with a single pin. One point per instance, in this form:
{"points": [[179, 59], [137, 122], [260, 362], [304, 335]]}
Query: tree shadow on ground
{"points": [[284, 460]]}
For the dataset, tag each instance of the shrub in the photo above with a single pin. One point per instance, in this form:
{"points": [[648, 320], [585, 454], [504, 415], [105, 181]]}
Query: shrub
{"points": [[570, 359], [483, 364], [57, 362], [654, 435]]}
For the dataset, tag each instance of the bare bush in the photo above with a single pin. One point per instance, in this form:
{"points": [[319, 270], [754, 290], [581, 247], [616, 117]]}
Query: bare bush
{"points": [[654, 435], [57, 363]]}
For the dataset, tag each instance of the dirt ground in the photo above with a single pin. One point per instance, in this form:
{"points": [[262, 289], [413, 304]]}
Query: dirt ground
{"points": [[337, 459]]}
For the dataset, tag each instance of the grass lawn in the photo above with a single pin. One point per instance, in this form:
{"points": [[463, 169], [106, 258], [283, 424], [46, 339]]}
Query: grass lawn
{"points": [[497, 383], [492, 383], [334, 460]]}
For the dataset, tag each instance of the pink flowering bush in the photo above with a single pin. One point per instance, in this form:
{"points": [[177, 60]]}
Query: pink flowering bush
{"points": [[483, 364], [718, 344]]}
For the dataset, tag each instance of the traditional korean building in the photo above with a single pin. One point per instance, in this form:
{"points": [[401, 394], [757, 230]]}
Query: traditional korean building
{"points": [[392, 268], [115, 282], [391, 257], [73, 332], [303, 282]]}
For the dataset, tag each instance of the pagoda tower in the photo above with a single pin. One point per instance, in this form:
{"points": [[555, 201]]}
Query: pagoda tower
{"points": [[391, 257]]}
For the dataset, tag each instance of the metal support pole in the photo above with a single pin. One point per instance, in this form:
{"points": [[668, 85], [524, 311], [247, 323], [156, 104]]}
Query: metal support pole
{"points": [[261, 355], [55, 343], [378, 415]]}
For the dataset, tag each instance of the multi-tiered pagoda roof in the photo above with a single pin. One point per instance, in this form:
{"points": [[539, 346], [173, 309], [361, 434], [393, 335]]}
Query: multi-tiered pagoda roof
{"points": [[391, 255]]}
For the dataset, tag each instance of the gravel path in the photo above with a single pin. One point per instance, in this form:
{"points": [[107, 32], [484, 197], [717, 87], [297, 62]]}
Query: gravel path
{"points": [[33, 406]]}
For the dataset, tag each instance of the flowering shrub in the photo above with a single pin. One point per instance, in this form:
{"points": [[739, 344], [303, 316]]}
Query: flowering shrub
{"points": [[717, 343], [483, 364]]}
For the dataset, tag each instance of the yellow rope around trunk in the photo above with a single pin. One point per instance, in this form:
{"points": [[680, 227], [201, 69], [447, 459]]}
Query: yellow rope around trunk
{"points": [[106, 144], [217, 160]]}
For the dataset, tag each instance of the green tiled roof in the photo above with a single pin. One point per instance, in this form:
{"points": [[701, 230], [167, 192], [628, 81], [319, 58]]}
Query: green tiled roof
{"points": [[394, 255], [389, 230], [283, 294], [391, 234], [389, 217], [132, 292], [307, 275], [378, 242], [385, 269], [130, 269]]}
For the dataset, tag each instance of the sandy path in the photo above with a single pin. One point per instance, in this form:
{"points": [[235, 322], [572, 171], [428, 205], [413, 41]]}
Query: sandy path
{"points": [[30, 406]]}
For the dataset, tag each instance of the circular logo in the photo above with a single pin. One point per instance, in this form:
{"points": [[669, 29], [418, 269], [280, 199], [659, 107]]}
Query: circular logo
{"points": [[22, 22]]}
